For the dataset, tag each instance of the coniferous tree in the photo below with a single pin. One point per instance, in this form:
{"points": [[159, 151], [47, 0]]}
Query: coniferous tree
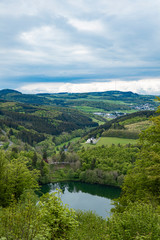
{"points": [[34, 160]]}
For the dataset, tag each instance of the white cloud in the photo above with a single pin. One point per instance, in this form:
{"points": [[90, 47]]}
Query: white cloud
{"points": [[46, 37], [94, 26], [42, 36], [143, 86], [52, 46]]}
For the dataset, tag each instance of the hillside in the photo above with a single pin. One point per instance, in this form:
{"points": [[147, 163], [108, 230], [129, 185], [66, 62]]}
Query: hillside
{"points": [[34, 124], [128, 126], [54, 120], [100, 106], [108, 101]]}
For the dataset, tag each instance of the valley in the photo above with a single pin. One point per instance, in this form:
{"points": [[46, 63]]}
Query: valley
{"points": [[59, 127], [64, 139]]}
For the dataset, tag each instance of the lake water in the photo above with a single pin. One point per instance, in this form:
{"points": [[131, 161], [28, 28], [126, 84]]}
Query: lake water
{"points": [[85, 196]]}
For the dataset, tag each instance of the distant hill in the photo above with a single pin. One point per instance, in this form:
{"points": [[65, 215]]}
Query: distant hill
{"points": [[87, 102], [9, 92], [13, 95]]}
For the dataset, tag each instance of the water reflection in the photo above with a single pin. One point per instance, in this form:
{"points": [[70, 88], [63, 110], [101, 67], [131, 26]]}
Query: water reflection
{"points": [[93, 189], [85, 196]]}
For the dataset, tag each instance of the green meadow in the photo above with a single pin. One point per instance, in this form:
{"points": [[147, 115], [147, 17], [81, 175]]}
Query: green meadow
{"points": [[111, 140]]}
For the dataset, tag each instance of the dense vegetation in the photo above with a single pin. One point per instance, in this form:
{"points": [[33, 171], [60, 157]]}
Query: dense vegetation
{"points": [[23, 166], [107, 165], [45, 125]]}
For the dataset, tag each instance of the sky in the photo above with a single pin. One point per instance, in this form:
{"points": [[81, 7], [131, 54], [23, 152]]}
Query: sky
{"points": [[80, 45]]}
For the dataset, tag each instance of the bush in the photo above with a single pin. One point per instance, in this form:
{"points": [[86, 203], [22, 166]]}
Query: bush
{"points": [[48, 219], [138, 221], [90, 227]]}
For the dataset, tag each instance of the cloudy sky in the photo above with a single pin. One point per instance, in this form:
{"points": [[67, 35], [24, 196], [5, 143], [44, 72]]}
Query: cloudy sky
{"points": [[80, 45]]}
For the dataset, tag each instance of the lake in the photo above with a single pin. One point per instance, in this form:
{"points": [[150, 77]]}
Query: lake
{"points": [[85, 196]]}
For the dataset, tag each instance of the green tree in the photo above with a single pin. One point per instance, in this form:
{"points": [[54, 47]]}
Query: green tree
{"points": [[90, 227], [23, 221], [143, 181], [48, 219], [15, 178], [62, 156], [34, 159], [139, 221], [44, 155], [59, 219]]}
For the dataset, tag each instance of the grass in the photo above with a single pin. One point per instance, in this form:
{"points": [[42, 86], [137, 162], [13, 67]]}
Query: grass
{"points": [[109, 141], [98, 121], [139, 126], [114, 140], [89, 109]]}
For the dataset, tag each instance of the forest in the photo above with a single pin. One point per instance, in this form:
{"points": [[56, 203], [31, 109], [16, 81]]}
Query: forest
{"points": [[94, 102], [41, 135]]}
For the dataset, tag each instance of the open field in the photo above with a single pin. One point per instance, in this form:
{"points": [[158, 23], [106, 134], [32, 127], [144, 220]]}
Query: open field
{"points": [[139, 126], [98, 121], [89, 109], [111, 140]]}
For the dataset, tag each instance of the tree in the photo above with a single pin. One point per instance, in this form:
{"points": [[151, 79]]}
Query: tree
{"points": [[10, 132], [48, 219], [15, 178], [143, 181], [138, 221], [34, 159], [59, 219], [63, 156], [44, 155]]}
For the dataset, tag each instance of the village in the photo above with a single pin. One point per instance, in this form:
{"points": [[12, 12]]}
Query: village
{"points": [[113, 115]]}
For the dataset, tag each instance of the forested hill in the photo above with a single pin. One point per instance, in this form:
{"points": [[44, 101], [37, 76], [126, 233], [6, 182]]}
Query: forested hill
{"points": [[13, 95], [31, 122], [94, 101]]}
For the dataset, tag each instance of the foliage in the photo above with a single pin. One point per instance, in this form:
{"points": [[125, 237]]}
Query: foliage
{"points": [[106, 165], [59, 219], [23, 221], [102, 177], [66, 137], [15, 177], [90, 226], [139, 221], [38, 120], [48, 219], [143, 181]]}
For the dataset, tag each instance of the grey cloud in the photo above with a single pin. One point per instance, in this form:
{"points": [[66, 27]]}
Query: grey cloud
{"points": [[55, 38]]}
